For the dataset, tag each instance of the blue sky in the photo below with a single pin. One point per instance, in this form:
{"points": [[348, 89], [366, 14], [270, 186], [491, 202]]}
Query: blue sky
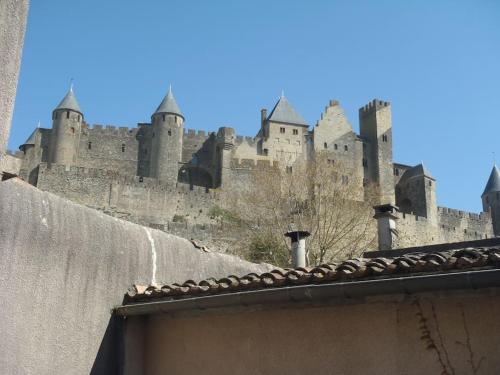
{"points": [[437, 62]]}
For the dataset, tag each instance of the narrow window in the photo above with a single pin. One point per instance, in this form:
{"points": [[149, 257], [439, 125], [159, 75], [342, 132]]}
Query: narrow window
{"points": [[289, 169], [365, 163], [163, 117], [396, 172], [89, 145], [72, 130], [78, 118], [430, 183], [266, 151], [282, 130], [346, 148], [384, 138], [295, 132], [335, 147], [123, 147], [67, 114], [170, 132], [325, 145]]}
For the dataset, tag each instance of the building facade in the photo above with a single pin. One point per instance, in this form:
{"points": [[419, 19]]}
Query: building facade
{"points": [[161, 170]]}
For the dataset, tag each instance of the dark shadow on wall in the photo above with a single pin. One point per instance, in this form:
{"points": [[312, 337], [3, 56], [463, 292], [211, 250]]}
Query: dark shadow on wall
{"points": [[109, 358]]}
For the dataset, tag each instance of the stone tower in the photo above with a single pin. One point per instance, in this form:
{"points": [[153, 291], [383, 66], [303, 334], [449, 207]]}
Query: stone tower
{"points": [[376, 129], [167, 134], [225, 145], [491, 198], [67, 119]]}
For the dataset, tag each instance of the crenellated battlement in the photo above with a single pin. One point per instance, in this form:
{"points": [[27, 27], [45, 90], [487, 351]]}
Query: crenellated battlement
{"points": [[251, 163], [196, 134], [373, 106], [251, 141], [111, 130], [484, 217]]}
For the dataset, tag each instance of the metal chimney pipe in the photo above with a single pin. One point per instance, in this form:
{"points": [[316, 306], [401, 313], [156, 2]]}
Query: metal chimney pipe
{"points": [[298, 238]]}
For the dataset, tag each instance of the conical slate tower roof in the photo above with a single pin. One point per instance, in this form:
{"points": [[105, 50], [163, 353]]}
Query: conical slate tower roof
{"points": [[285, 113], [169, 105], [69, 102], [493, 183]]}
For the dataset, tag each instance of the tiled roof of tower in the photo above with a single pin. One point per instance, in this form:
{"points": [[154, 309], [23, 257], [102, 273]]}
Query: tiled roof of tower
{"points": [[285, 113], [418, 170], [493, 183], [69, 102], [169, 105], [350, 270]]}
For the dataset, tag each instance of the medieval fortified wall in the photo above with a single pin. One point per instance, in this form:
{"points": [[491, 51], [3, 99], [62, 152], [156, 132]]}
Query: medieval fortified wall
{"points": [[165, 176]]}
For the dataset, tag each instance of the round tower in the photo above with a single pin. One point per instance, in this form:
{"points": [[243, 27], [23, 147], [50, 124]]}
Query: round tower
{"points": [[67, 119], [167, 133], [491, 198]]}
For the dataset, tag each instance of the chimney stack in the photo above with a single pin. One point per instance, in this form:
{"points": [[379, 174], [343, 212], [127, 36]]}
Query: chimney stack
{"points": [[298, 238], [386, 226], [263, 117]]}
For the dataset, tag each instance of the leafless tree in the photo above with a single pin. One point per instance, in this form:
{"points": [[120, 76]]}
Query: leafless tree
{"points": [[318, 195]]}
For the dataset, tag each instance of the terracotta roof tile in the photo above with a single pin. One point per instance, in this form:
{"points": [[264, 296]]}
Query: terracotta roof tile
{"points": [[353, 269]]}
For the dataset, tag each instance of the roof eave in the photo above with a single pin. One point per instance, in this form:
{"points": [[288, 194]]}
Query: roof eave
{"points": [[339, 291]]}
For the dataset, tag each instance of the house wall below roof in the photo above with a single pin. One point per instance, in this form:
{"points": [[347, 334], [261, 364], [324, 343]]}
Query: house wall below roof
{"points": [[441, 333]]}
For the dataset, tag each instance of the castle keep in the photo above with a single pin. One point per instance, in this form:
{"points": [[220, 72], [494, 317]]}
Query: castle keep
{"points": [[161, 170]]}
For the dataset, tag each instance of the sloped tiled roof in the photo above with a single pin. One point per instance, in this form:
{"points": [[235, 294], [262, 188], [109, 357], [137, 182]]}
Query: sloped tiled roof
{"points": [[416, 171], [69, 102], [285, 113], [493, 183], [354, 269], [169, 105]]}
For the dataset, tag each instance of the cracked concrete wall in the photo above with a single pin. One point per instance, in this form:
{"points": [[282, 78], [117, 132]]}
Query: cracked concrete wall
{"points": [[13, 15], [64, 266]]}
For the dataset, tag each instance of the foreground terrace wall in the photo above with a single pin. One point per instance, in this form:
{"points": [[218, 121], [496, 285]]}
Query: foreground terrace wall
{"points": [[64, 266]]}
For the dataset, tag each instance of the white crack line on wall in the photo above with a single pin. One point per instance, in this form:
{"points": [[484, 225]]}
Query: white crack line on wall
{"points": [[153, 255]]}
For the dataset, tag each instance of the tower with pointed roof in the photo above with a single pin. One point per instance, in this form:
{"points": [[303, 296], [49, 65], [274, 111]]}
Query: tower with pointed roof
{"points": [[283, 133], [67, 119], [491, 198], [167, 133]]}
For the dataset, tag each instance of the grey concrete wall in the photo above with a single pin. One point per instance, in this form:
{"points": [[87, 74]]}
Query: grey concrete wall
{"points": [[13, 15], [430, 334], [64, 266]]}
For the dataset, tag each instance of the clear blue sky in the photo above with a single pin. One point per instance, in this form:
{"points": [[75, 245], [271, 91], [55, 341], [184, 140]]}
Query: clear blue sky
{"points": [[437, 62]]}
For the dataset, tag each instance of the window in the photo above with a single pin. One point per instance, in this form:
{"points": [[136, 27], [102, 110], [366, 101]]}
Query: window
{"points": [[67, 114], [169, 132], [365, 163], [384, 138], [266, 151], [396, 172], [325, 145], [163, 117], [346, 148], [331, 161], [282, 130], [123, 147], [72, 130], [288, 169], [295, 131], [335, 147], [430, 183], [89, 145], [141, 179]]}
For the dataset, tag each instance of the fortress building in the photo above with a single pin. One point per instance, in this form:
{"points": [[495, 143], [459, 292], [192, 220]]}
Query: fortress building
{"points": [[160, 170]]}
